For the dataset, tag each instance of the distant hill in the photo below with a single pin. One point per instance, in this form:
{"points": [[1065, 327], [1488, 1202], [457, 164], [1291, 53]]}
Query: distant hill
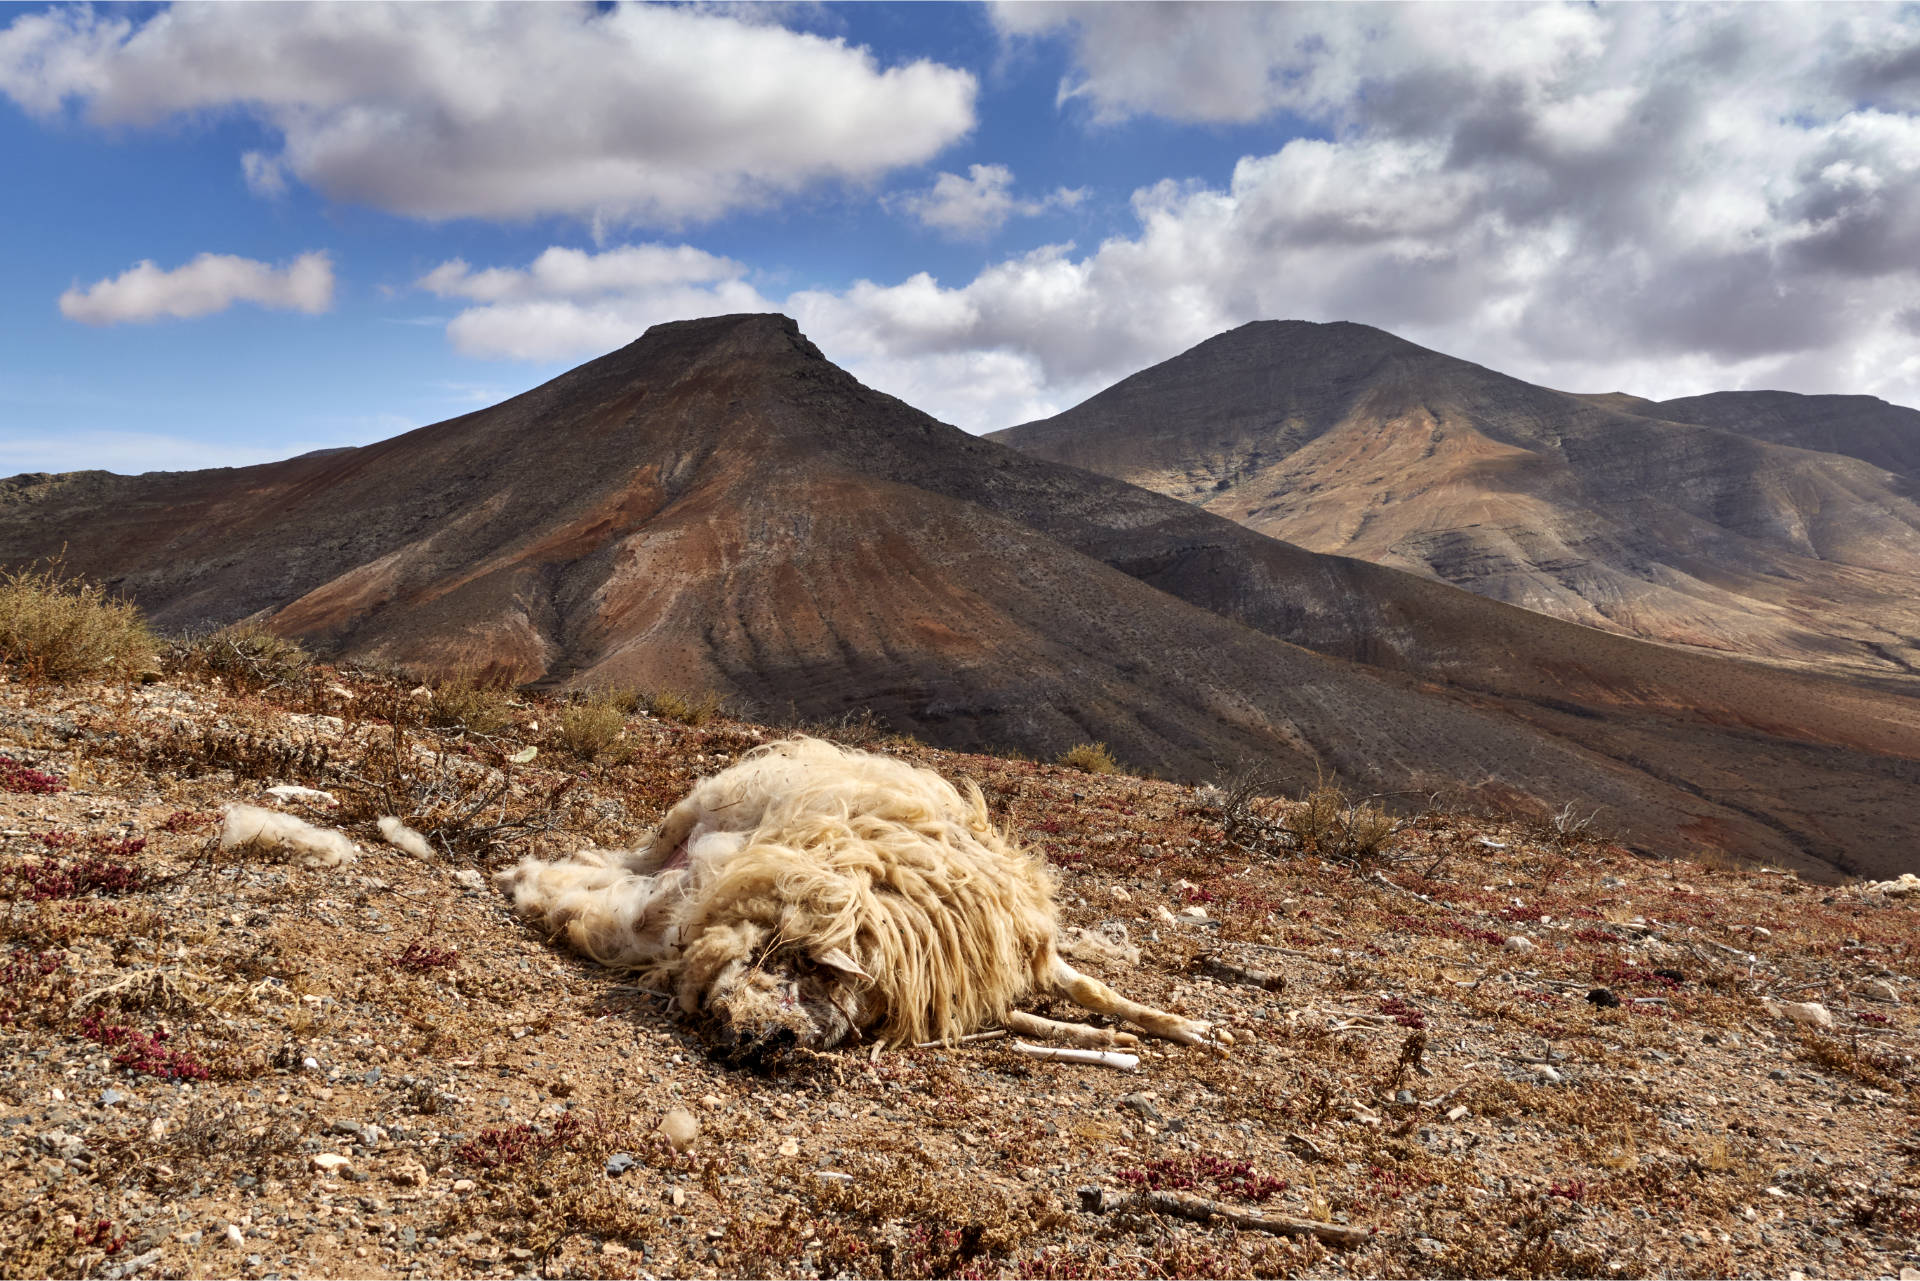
{"points": [[718, 506], [1709, 522]]}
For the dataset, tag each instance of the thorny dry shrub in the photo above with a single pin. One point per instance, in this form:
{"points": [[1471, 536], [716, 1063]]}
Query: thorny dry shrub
{"points": [[212, 1143], [478, 704], [454, 799], [56, 628], [1341, 829], [1864, 1063], [900, 1215], [687, 709], [1596, 1107], [548, 1184], [247, 657], [209, 749], [1519, 1236], [35, 987]]}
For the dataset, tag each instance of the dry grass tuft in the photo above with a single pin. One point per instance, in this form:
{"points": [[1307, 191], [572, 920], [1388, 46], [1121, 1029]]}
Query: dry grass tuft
{"points": [[56, 628], [592, 729], [688, 709], [1091, 758], [474, 703]]}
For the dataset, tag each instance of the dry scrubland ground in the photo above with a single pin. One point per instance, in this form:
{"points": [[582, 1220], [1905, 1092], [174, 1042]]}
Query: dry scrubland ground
{"points": [[189, 1034]]}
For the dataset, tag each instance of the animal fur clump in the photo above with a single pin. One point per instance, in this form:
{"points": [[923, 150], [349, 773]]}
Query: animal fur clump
{"points": [[402, 837], [250, 827], [812, 893]]}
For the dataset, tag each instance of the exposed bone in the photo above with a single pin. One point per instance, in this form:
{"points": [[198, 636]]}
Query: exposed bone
{"points": [[1099, 1058], [1023, 1024]]}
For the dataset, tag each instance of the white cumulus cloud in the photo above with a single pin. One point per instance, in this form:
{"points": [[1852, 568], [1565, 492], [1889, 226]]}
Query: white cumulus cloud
{"points": [[1663, 199], [210, 283], [635, 114], [980, 203], [569, 303]]}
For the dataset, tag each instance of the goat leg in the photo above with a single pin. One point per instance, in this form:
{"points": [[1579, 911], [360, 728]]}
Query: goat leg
{"points": [[1020, 1023], [1090, 993]]}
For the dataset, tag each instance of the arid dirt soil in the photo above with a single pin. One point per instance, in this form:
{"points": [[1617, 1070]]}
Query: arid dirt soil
{"points": [[214, 1064]]}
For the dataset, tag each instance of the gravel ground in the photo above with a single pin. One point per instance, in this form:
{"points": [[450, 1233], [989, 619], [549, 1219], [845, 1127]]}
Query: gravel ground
{"points": [[1500, 1048]]}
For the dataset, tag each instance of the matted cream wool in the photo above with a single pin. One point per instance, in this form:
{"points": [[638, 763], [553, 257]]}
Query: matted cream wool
{"points": [[828, 892]]}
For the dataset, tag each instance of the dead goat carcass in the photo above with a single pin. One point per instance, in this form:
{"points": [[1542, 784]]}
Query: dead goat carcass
{"points": [[810, 894]]}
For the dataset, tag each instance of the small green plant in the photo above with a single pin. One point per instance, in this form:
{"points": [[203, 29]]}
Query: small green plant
{"points": [[59, 628], [592, 729], [1091, 758], [473, 703], [688, 709]]}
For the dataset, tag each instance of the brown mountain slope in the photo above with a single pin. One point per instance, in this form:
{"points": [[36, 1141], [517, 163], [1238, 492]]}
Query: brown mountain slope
{"points": [[1862, 427], [1343, 438], [717, 505]]}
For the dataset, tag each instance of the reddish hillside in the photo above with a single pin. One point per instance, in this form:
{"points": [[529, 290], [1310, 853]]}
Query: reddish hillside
{"points": [[718, 506]]}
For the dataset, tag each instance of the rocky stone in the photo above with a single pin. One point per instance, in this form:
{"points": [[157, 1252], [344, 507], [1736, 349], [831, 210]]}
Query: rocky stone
{"points": [[619, 1163], [1877, 990], [1808, 1013], [330, 1162], [1519, 943], [408, 1174]]}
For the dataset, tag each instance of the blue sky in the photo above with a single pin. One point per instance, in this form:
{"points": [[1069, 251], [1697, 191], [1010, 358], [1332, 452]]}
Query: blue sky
{"points": [[359, 219]]}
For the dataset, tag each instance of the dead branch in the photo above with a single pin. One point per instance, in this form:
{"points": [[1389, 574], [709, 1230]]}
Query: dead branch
{"points": [[1201, 1210], [1232, 973]]}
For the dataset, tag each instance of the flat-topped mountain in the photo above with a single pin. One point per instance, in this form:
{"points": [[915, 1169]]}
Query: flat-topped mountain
{"points": [[1775, 526], [718, 506]]}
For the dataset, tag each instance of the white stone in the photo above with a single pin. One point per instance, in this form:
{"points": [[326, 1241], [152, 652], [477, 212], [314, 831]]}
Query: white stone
{"points": [[234, 1236], [1520, 943], [330, 1162], [1808, 1013]]}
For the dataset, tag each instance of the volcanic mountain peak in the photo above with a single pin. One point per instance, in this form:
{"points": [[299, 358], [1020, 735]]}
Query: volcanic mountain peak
{"points": [[1597, 509], [717, 506]]}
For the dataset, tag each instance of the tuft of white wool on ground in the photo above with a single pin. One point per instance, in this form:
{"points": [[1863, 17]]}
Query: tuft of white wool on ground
{"points": [[249, 826], [287, 793], [402, 837], [1905, 883]]}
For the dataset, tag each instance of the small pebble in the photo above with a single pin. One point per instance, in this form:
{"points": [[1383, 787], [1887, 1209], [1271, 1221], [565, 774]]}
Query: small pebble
{"points": [[618, 1164]]}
